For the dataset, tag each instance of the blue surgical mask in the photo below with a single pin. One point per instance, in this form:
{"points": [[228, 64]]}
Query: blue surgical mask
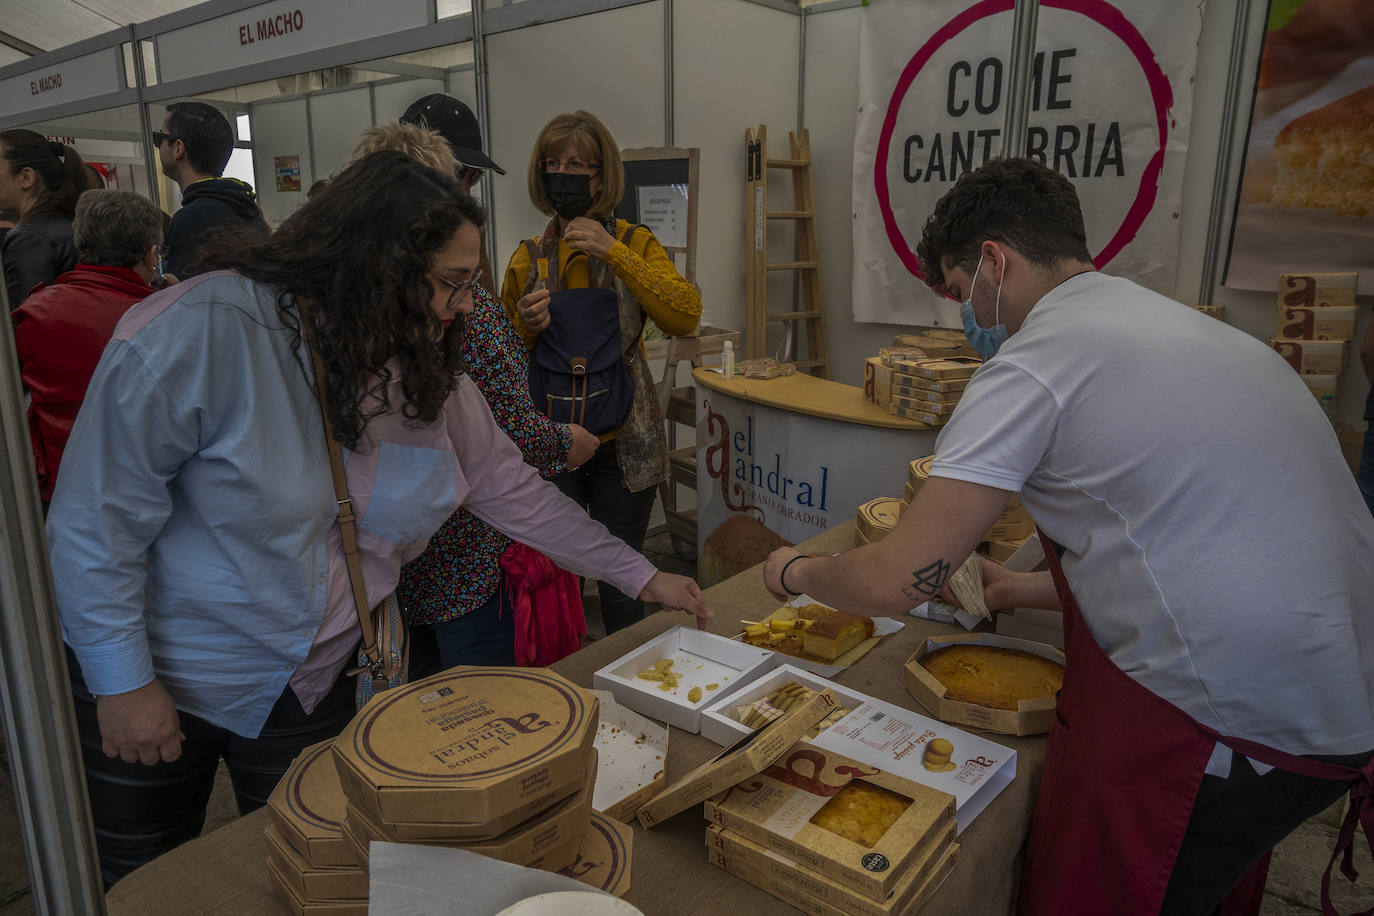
{"points": [[985, 340]]}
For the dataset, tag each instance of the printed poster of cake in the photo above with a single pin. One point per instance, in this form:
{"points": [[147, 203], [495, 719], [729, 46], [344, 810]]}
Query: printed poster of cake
{"points": [[1307, 193]]}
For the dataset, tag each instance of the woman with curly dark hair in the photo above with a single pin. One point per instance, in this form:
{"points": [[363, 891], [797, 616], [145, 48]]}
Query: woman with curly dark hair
{"points": [[199, 569], [40, 179]]}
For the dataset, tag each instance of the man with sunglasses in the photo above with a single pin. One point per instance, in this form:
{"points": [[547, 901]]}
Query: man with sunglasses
{"points": [[193, 147], [455, 122]]}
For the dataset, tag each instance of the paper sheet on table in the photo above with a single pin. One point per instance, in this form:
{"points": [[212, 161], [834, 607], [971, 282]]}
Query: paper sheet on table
{"points": [[413, 880]]}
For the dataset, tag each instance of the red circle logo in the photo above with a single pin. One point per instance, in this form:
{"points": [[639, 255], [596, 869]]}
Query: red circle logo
{"points": [[1100, 12]]}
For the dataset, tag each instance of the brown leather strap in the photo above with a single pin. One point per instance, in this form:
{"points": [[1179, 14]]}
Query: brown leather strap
{"points": [[348, 528]]}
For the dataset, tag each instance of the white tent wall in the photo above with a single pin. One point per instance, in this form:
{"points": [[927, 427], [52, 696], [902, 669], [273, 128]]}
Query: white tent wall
{"points": [[279, 129], [831, 88], [735, 65], [336, 121], [394, 97], [537, 72]]}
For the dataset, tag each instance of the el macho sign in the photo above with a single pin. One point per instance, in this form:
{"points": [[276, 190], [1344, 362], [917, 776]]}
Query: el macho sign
{"points": [[1111, 97]]}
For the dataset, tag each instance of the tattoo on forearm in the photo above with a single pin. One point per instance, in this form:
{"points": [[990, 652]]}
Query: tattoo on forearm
{"points": [[927, 581]]}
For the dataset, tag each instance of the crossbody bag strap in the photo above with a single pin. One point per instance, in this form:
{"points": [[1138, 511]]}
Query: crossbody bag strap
{"points": [[348, 521]]}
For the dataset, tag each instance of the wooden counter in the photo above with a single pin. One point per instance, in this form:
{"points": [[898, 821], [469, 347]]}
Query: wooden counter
{"points": [[806, 394], [225, 872]]}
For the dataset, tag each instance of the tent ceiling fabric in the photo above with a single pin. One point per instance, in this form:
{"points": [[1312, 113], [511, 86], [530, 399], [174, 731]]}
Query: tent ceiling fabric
{"points": [[53, 24]]}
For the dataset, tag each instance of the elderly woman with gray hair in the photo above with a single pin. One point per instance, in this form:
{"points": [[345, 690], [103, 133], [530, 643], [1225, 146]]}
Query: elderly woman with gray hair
{"points": [[61, 329]]}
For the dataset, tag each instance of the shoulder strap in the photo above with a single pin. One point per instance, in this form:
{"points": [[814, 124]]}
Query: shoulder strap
{"points": [[348, 527], [630, 231]]}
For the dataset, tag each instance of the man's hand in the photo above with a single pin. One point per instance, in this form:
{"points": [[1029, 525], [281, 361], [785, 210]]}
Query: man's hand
{"points": [[677, 593], [584, 446], [1004, 589], [588, 235], [140, 726], [533, 309], [772, 571]]}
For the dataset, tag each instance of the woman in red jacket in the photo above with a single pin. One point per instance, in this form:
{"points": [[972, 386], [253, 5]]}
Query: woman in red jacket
{"points": [[61, 330]]}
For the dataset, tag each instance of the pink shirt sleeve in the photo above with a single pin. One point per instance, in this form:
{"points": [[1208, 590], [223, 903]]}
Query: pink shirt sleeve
{"points": [[511, 496]]}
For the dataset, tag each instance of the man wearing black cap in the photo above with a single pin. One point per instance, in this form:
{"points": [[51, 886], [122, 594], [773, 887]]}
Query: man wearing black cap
{"points": [[456, 123]]}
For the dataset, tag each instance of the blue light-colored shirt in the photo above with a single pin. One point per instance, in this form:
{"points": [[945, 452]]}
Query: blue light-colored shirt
{"points": [[192, 531]]}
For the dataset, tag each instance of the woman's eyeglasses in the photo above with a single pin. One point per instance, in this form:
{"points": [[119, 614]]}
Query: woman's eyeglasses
{"points": [[575, 166], [461, 288]]}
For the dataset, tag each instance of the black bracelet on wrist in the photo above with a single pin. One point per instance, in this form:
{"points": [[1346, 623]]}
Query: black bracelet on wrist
{"points": [[782, 576]]}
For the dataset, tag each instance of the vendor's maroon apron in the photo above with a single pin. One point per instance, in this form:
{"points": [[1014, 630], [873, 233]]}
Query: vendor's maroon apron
{"points": [[1122, 769]]}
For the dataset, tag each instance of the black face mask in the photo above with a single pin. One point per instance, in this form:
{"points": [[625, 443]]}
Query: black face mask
{"points": [[571, 195]]}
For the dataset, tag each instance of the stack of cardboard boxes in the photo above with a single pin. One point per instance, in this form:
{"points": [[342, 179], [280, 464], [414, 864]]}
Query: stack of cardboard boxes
{"points": [[893, 382], [831, 836], [1012, 528], [1316, 324], [495, 761]]}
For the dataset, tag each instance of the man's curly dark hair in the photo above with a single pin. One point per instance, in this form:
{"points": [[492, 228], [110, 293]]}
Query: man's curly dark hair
{"points": [[358, 254], [1025, 205]]}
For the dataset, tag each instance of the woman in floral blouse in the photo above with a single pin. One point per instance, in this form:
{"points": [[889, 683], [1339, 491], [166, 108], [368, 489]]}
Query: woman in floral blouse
{"points": [[451, 594]]}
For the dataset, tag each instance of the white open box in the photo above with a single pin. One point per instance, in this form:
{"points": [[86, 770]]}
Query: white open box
{"points": [[720, 726], [702, 659], [633, 754]]}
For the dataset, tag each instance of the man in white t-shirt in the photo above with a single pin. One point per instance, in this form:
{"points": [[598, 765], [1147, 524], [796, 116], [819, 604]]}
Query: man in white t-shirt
{"points": [[1216, 544]]}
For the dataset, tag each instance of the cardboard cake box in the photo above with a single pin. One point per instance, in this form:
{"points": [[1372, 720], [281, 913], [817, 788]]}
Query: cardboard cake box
{"points": [[877, 381], [307, 809], [1324, 290], [877, 517], [941, 407], [720, 721], [910, 388], [1316, 323], [633, 753], [1032, 717], [1313, 357], [855, 824], [712, 663], [811, 892], [603, 859], [937, 370], [1323, 385], [549, 840], [469, 753], [303, 907], [739, 761], [309, 882]]}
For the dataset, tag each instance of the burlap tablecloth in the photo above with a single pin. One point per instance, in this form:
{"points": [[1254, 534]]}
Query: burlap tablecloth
{"points": [[224, 872]]}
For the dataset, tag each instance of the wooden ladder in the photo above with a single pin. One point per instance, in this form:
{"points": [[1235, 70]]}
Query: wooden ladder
{"points": [[811, 315], [679, 407]]}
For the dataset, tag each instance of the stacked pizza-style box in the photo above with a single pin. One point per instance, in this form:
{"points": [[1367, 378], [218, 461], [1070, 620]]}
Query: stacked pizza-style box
{"points": [[1316, 324], [497, 761], [1012, 528]]}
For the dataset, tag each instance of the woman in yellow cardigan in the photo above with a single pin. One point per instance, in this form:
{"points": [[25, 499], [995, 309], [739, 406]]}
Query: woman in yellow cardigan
{"points": [[579, 295]]}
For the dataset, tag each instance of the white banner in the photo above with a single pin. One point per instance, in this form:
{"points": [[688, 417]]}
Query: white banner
{"points": [[1111, 100]]}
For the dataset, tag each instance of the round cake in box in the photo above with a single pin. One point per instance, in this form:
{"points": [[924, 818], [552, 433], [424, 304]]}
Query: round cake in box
{"points": [[476, 749], [992, 676], [307, 807]]}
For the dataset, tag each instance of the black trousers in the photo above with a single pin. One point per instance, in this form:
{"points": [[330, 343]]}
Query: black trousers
{"points": [[598, 487], [142, 811], [1237, 820]]}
